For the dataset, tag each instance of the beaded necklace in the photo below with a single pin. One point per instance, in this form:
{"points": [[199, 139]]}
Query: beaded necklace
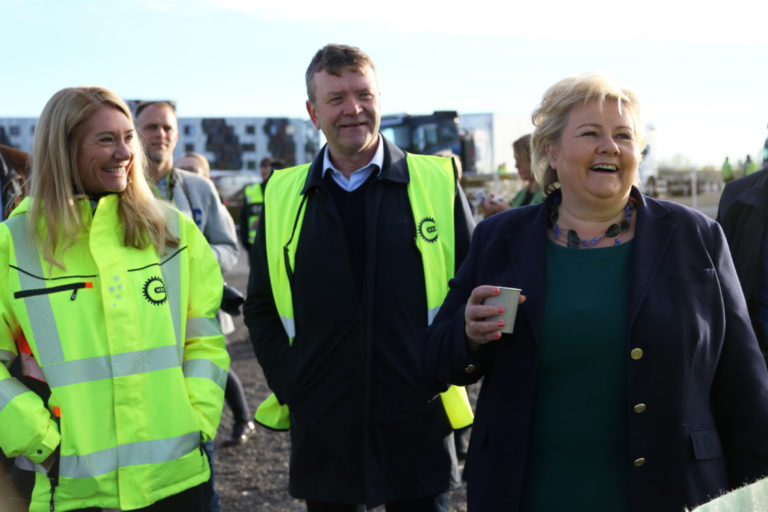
{"points": [[573, 241]]}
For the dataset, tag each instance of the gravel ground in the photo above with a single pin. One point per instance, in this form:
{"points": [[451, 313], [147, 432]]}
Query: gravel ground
{"points": [[254, 476]]}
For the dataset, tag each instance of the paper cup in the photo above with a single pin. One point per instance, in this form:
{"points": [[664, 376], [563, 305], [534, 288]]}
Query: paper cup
{"points": [[508, 298]]}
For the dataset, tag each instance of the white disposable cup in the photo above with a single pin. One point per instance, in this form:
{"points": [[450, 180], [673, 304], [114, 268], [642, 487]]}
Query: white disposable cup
{"points": [[508, 299]]}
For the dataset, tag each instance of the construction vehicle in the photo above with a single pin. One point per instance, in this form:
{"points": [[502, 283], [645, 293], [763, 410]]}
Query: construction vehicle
{"points": [[431, 134]]}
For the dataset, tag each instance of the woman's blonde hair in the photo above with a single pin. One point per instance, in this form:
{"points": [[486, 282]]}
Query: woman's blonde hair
{"points": [[56, 186], [551, 116]]}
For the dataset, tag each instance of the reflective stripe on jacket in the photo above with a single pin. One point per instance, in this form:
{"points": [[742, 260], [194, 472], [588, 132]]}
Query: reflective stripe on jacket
{"points": [[130, 347], [430, 178]]}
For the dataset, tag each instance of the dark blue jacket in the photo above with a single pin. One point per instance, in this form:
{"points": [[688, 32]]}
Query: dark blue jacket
{"points": [[702, 378], [743, 213]]}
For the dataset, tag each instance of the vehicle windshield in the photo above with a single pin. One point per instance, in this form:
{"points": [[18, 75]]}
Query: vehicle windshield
{"points": [[429, 136]]}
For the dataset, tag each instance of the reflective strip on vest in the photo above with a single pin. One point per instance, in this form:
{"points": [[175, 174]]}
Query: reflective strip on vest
{"points": [[203, 326], [38, 307], [205, 369], [112, 459], [10, 389], [131, 454], [290, 327], [107, 367], [171, 270], [430, 178]]}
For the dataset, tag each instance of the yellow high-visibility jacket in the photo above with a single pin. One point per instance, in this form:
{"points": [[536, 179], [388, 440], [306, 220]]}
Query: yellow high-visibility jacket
{"points": [[130, 348]]}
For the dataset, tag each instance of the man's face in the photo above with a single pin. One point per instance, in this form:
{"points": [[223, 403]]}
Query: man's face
{"points": [[158, 130], [266, 171], [347, 110]]}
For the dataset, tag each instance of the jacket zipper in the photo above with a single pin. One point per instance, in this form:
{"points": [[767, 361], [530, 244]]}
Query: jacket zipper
{"points": [[54, 289]]}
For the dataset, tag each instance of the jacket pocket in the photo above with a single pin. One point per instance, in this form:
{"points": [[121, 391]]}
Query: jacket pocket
{"points": [[73, 287], [706, 444]]}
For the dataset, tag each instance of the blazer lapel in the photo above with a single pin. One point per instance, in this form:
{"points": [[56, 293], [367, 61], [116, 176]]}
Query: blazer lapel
{"points": [[526, 244], [653, 235]]}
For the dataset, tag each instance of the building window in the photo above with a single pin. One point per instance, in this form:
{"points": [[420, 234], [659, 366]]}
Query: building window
{"points": [[250, 129], [15, 130], [188, 129], [250, 146], [251, 165], [32, 130], [189, 148]]}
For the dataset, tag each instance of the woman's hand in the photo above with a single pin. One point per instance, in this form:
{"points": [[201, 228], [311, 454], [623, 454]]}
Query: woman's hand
{"points": [[479, 326], [492, 206]]}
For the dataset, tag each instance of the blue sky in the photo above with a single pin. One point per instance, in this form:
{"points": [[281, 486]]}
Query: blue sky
{"points": [[701, 72]]}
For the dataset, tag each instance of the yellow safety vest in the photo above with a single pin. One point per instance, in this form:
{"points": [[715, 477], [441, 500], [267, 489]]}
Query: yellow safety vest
{"points": [[254, 198], [130, 348], [430, 177]]}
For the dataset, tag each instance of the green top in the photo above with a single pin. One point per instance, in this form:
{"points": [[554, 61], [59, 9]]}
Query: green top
{"points": [[538, 197], [577, 450]]}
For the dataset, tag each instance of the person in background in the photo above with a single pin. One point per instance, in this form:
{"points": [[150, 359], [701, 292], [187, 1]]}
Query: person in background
{"points": [[632, 380], [726, 171], [242, 426], [196, 196], [14, 188], [253, 201], [108, 298], [354, 252], [194, 163], [530, 193], [743, 214], [13, 179]]}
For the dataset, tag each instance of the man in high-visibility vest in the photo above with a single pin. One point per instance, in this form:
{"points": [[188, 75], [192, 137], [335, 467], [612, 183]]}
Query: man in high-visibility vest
{"points": [[253, 201], [352, 258]]}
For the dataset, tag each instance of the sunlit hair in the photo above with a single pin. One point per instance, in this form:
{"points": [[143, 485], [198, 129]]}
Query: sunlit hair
{"points": [[551, 117], [55, 215], [334, 59], [522, 149], [205, 166]]}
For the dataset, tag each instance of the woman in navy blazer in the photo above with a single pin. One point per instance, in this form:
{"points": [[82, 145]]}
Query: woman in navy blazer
{"points": [[633, 379]]}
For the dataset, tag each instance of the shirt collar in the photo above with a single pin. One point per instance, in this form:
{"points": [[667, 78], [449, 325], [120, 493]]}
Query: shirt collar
{"points": [[377, 160]]}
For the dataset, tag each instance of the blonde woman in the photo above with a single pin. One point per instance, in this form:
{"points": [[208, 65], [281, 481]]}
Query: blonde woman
{"points": [[632, 380], [108, 299]]}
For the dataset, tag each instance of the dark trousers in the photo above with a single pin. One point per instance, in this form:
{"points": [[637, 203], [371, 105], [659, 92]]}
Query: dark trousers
{"points": [[437, 503], [235, 398], [210, 496]]}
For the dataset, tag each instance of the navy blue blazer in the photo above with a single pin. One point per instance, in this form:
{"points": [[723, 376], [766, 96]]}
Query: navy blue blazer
{"points": [[702, 428]]}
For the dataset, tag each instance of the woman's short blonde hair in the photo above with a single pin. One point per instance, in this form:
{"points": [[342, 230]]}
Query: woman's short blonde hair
{"points": [[55, 179], [551, 116]]}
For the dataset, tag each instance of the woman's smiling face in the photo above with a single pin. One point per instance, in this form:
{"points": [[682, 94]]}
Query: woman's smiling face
{"points": [[596, 157]]}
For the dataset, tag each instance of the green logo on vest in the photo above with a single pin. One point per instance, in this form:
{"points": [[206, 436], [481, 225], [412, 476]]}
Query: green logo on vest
{"points": [[154, 291], [428, 229]]}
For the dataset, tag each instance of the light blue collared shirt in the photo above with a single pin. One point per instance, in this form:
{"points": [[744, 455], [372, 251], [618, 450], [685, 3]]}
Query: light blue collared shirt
{"points": [[358, 177]]}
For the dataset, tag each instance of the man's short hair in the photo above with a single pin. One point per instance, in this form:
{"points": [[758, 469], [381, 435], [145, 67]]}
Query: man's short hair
{"points": [[333, 59], [144, 104]]}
